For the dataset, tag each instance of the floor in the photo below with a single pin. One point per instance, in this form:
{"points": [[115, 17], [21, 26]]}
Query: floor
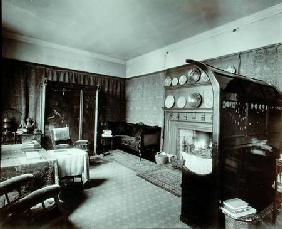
{"points": [[123, 200], [117, 198]]}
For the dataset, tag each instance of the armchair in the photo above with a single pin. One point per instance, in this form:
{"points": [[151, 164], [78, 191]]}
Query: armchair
{"points": [[22, 203]]}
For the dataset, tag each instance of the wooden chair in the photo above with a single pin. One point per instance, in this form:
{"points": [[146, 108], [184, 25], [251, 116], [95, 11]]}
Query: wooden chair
{"points": [[22, 203], [14, 183], [61, 140]]}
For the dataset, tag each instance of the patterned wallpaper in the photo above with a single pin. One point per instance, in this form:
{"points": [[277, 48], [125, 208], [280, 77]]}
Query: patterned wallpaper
{"points": [[145, 94], [263, 64], [144, 99]]}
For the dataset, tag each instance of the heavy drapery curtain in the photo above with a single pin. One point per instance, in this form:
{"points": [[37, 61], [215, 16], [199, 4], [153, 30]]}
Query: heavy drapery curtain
{"points": [[20, 88]]}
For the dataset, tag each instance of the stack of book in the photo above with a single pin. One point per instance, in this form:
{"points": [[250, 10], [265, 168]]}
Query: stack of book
{"points": [[237, 208], [30, 145]]}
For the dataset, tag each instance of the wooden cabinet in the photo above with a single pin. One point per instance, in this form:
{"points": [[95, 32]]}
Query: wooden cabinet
{"points": [[74, 106]]}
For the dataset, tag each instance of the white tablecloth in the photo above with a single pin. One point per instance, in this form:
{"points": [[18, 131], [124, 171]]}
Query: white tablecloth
{"points": [[71, 162]]}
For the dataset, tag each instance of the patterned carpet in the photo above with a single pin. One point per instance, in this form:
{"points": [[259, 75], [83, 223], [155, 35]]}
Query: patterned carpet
{"points": [[114, 198], [163, 176], [166, 178], [131, 161]]}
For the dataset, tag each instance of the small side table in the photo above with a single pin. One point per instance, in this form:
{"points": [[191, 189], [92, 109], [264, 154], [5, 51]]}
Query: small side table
{"points": [[107, 143]]}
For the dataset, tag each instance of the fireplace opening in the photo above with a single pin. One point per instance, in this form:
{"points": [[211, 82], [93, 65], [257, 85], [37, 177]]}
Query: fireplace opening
{"points": [[195, 148]]}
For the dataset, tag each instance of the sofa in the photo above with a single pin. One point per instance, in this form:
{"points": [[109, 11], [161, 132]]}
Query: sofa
{"points": [[137, 138]]}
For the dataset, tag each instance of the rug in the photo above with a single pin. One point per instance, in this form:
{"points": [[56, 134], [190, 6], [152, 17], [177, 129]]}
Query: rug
{"points": [[163, 176], [131, 161], [168, 179]]}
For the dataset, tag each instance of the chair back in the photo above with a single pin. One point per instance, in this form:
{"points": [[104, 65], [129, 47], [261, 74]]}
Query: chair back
{"points": [[60, 136]]}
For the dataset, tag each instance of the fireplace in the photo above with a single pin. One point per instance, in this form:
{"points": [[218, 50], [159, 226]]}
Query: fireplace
{"points": [[195, 149], [182, 135]]}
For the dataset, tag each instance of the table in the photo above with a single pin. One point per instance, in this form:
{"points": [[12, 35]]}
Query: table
{"points": [[107, 143], [15, 161], [71, 162]]}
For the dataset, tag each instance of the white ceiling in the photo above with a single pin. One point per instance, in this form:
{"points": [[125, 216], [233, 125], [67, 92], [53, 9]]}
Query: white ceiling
{"points": [[121, 29]]}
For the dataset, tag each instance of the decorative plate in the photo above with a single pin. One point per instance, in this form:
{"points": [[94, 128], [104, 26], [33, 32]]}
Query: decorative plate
{"points": [[182, 79], [174, 81], [194, 100], [209, 101], [181, 102], [194, 74], [169, 101], [204, 77], [190, 72], [167, 81]]}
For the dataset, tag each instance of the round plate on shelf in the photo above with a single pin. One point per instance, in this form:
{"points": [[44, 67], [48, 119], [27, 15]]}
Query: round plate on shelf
{"points": [[194, 100], [181, 102], [194, 74], [167, 81], [182, 79], [174, 81], [169, 101], [190, 72], [209, 101], [204, 77]]}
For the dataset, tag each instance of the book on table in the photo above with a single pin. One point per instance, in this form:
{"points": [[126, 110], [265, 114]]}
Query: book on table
{"points": [[30, 145], [235, 204], [237, 208], [248, 211]]}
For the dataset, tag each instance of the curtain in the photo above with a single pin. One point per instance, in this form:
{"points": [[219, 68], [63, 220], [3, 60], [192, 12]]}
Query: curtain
{"points": [[20, 88]]}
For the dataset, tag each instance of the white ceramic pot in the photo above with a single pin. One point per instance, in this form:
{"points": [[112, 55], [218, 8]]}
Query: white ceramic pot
{"points": [[161, 159]]}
